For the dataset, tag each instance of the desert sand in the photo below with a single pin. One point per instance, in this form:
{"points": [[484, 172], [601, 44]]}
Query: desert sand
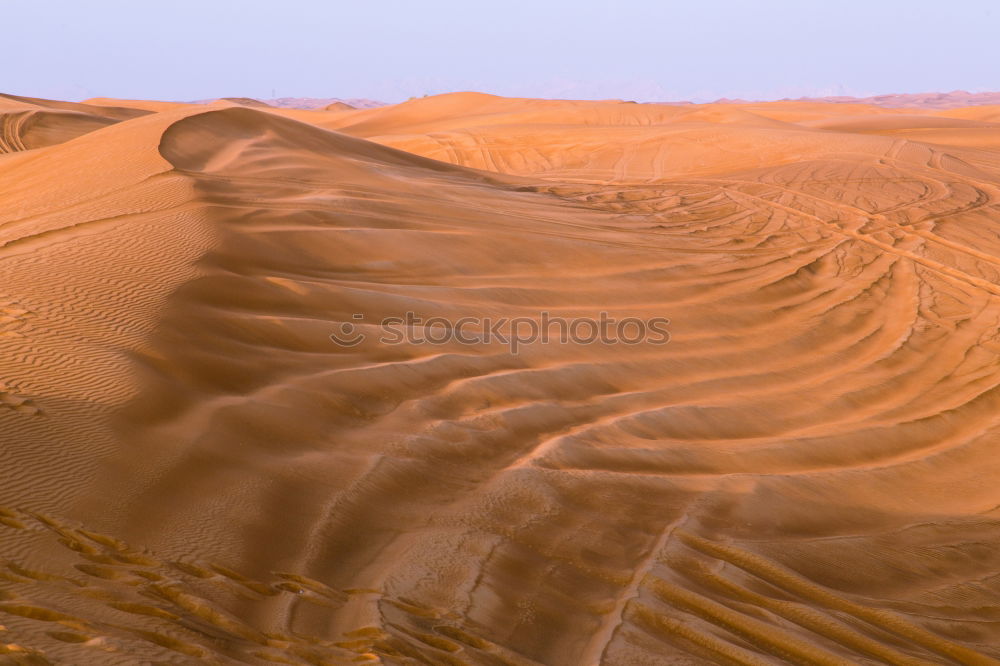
{"points": [[192, 471], [931, 100]]}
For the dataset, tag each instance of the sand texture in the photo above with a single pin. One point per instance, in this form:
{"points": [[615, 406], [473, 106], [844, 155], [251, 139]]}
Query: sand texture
{"points": [[192, 471]]}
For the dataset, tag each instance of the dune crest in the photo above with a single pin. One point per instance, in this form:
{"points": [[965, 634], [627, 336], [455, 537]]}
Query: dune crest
{"points": [[194, 471]]}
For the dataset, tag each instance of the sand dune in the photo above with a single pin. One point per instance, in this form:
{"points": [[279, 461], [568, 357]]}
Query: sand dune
{"points": [[27, 123], [192, 471], [301, 103], [931, 100], [313, 103]]}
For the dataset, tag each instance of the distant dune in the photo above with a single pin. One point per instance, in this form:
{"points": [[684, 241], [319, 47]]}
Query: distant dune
{"points": [[315, 104], [302, 103], [243, 101], [193, 471], [949, 100]]}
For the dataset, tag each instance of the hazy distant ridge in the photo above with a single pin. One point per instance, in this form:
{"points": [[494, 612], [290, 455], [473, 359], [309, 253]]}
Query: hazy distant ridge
{"points": [[926, 100], [309, 103]]}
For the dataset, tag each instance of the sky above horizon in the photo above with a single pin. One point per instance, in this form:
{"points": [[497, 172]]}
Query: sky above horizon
{"points": [[645, 50]]}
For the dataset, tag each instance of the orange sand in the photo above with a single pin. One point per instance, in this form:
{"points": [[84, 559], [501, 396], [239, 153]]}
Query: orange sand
{"points": [[192, 471]]}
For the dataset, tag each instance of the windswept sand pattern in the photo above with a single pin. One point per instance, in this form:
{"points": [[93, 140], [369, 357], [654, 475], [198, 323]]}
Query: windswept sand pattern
{"points": [[142, 608], [10, 132], [804, 474], [27, 123]]}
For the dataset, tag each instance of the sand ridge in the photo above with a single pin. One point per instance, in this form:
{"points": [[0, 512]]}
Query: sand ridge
{"points": [[194, 470]]}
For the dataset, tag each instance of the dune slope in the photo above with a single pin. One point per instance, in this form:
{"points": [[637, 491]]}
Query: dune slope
{"points": [[194, 471]]}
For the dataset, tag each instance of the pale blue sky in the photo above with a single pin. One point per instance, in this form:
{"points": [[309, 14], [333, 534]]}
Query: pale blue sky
{"points": [[392, 49]]}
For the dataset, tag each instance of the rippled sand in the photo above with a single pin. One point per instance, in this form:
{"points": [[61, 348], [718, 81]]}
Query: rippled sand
{"points": [[191, 471]]}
